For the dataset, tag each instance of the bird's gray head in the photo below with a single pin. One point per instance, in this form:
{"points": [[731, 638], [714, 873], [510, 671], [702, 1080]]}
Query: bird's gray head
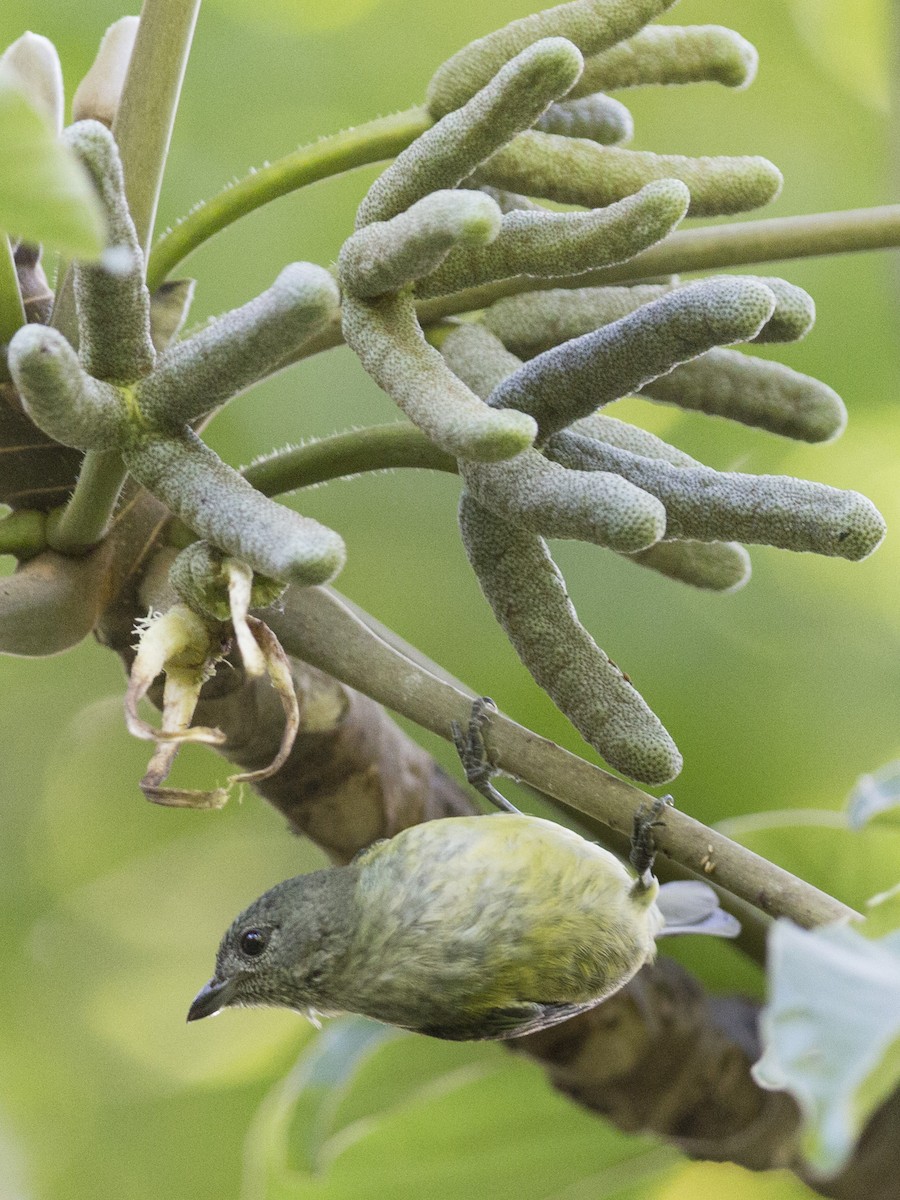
{"points": [[283, 949]]}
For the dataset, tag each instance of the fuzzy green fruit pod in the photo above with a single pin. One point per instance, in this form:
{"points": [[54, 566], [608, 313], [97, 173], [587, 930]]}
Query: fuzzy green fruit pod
{"points": [[219, 504], [592, 25], [672, 54], [707, 506], [461, 141], [477, 357], [794, 315], [536, 321], [113, 303], [385, 335], [235, 350], [545, 243], [60, 397], [629, 437], [575, 171], [754, 391], [200, 577], [528, 595], [536, 494], [532, 322], [597, 117], [711, 566], [574, 379], [387, 255]]}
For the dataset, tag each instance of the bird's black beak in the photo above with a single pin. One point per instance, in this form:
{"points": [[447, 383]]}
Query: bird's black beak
{"points": [[211, 998]]}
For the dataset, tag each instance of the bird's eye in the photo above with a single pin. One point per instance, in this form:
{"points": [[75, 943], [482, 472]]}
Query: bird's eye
{"points": [[253, 942]]}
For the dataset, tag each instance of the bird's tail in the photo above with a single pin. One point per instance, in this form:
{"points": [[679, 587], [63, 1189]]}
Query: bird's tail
{"points": [[691, 906]]}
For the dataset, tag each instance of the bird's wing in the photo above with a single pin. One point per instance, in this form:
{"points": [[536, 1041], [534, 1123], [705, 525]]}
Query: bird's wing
{"points": [[691, 906], [510, 1021]]}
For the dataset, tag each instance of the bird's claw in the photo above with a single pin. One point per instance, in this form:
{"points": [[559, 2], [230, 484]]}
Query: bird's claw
{"points": [[473, 752], [643, 843]]}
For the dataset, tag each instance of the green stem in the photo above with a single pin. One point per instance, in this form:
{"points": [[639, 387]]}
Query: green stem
{"points": [[12, 311], [146, 113], [377, 448], [370, 143], [23, 533], [707, 249], [85, 519]]}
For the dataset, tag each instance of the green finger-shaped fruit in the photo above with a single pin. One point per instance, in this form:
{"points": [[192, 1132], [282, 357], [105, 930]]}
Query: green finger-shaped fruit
{"points": [[217, 503], [60, 397], [528, 595], [671, 54], [478, 358], [576, 171], [630, 437], [533, 322], [754, 391], [452, 149], [546, 498], [574, 379], [111, 297], [387, 255], [386, 336], [597, 117], [198, 374], [707, 506], [794, 315], [532, 491], [713, 566], [593, 25], [545, 243]]}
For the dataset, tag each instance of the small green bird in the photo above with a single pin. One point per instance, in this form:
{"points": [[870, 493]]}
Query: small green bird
{"points": [[461, 928]]}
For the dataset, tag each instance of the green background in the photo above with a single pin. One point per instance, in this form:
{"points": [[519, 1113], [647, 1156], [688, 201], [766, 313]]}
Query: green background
{"points": [[779, 696]]}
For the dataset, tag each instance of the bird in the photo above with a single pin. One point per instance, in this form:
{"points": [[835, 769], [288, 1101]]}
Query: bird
{"points": [[464, 928]]}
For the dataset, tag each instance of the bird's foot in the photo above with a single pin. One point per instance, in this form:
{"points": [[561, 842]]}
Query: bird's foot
{"points": [[643, 843], [474, 755]]}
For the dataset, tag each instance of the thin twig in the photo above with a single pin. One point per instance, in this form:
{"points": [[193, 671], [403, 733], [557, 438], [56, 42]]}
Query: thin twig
{"points": [[709, 248], [85, 519], [316, 626], [376, 448], [372, 142]]}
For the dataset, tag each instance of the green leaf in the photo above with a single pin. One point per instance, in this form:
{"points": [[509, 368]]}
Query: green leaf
{"points": [[368, 1112], [876, 797], [831, 1032], [45, 194]]}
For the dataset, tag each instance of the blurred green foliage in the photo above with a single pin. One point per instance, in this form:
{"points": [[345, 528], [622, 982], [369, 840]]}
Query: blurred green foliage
{"points": [[779, 696]]}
